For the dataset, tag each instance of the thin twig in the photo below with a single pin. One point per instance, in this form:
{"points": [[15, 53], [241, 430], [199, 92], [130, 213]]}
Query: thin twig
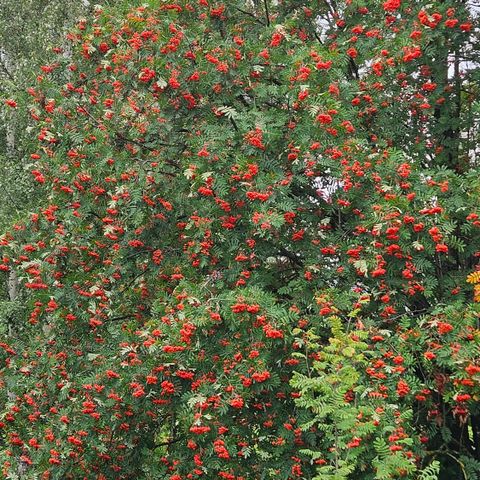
{"points": [[434, 453]]}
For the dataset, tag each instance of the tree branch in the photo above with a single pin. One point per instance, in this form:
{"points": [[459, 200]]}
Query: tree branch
{"points": [[267, 13], [250, 14], [169, 442]]}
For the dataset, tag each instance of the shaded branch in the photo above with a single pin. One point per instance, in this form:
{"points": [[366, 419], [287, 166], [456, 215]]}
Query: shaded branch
{"points": [[169, 442], [250, 14], [267, 13]]}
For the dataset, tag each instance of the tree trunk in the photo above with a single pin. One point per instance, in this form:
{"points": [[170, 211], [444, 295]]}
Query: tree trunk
{"points": [[12, 285]]}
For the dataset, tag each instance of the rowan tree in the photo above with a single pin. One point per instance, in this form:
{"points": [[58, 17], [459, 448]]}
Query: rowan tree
{"points": [[254, 255]]}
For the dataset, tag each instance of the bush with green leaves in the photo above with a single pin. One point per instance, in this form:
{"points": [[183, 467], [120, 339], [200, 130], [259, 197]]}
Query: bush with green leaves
{"points": [[251, 261]]}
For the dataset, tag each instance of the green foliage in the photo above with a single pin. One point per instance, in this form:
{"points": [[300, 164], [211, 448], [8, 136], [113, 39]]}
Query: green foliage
{"points": [[249, 256], [343, 411], [431, 471]]}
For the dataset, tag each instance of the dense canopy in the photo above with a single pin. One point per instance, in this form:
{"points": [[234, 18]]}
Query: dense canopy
{"points": [[257, 250]]}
